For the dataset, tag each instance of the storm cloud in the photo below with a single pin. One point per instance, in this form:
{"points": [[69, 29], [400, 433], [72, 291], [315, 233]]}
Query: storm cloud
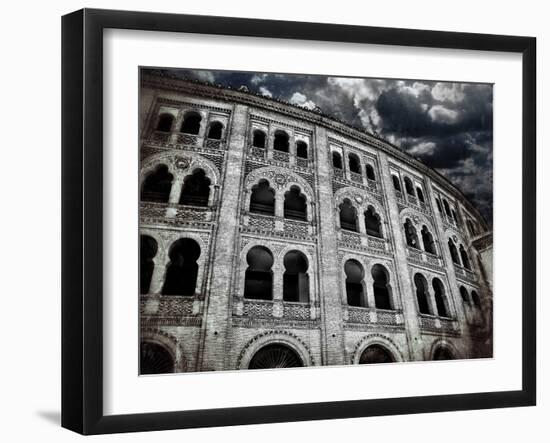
{"points": [[448, 126]]}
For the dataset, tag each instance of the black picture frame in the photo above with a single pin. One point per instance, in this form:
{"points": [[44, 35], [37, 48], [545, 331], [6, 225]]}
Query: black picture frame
{"points": [[82, 231]]}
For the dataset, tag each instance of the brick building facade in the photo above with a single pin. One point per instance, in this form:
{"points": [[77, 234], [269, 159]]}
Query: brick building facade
{"points": [[273, 236]]}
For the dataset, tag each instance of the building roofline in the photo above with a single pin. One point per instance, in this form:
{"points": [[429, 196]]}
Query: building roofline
{"points": [[244, 95]]}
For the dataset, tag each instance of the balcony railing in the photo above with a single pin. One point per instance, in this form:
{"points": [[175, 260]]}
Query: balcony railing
{"points": [[423, 258], [434, 323], [276, 309], [374, 316]]}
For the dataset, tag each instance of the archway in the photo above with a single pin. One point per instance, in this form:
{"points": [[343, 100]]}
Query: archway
{"points": [[155, 359], [196, 189], [336, 160], [354, 283], [295, 277], [301, 149], [191, 123], [258, 283], [275, 355], [372, 223], [215, 131], [157, 185], [375, 354], [258, 139], [348, 216], [422, 293], [165, 122], [182, 271], [439, 294], [262, 200], [443, 353], [428, 240], [280, 142], [381, 287], [410, 234], [354, 164], [295, 204]]}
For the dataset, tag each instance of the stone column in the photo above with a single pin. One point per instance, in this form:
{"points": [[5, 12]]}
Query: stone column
{"points": [[217, 314], [431, 301], [333, 348], [404, 281], [161, 260], [369, 289]]}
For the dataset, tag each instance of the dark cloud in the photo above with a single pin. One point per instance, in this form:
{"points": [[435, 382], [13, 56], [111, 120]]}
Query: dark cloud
{"points": [[448, 126]]}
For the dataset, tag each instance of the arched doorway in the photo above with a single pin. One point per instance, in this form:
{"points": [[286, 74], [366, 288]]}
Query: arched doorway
{"points": [[375, 354], [443, 353], [275, 356], [258, 279], [155, 359], [182, 271], [196, 189], [295, 277]]}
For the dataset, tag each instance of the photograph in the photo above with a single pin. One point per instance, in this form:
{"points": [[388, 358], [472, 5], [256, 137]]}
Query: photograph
{"points": [[293, 220]]}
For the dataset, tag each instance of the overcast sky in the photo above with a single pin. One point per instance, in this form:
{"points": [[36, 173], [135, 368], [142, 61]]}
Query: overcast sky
{"points": [[448, 126]]}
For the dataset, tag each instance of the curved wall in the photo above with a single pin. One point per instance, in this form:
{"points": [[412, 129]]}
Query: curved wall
{"points": [[376, 229]]}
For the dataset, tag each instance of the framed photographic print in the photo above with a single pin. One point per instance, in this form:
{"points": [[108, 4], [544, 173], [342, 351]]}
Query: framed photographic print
{"points": [[270, 221]]}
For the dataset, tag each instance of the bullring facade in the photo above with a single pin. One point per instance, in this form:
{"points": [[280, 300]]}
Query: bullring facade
{"points": [[275, 236]]}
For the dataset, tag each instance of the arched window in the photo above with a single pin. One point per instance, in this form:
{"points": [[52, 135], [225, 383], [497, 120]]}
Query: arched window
{"points": [[196, 189], [258, 139], [396, 184], [191, 123], [370, 172], [464, 257], [354, 163], [455, 218], [409, 186], [262, 200], [439, 294], [428, 240], [157, 185], [372, 223], [381, 287], [295, 278], [348, 216], [375, 354], [464, 295], [154, 359], [420, 194], [442, 353], [422, 293], [165, 122], [182, 271], [475, 299], [336, 160], [280, 142], [410, 234], [471, 227], [354, 283], [438, 203], [258, 280], [454, 252], [447, 208], [215, 131], [275, 356], [301, 149], [295, 204], [147, 250]]}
